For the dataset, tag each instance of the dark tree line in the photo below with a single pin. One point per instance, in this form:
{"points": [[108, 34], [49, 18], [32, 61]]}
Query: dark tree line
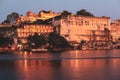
{"points": [[54, 40], [84, 13], [57, 41], [5, 41], [11, 18], [37, 40], [7, 35], [65, 13]]}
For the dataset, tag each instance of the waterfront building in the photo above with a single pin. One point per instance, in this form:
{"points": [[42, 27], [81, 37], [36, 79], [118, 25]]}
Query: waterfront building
{"points": [[30, 29], [115, 25], [77, 28]]}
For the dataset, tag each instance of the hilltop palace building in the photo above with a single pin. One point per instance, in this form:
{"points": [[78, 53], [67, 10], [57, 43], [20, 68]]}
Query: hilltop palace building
{"points": [[77, 28], [31, 17], [30, 28], [74, 28], [115, 25]]}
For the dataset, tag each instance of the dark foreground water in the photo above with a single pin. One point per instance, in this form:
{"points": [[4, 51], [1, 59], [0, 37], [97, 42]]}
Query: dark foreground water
{"points": [[69, 65]]}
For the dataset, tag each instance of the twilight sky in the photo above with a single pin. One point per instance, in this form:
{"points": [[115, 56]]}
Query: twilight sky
{"points": [[97, 7]]}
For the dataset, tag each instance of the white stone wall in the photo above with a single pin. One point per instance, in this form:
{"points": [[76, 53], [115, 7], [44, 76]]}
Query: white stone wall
{"points": [[78, 27]]}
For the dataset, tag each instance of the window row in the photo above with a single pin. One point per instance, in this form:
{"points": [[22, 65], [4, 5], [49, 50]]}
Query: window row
{"points": [[46, 27], [32, 30]]}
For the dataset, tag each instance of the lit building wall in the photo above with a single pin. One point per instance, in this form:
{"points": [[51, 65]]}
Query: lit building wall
{"points": [[48, 14], [76, 28], [115, 26], [31, 17], [31, 29]]}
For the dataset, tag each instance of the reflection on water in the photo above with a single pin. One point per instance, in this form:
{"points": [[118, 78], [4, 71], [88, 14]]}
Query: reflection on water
{"points": [[91, 54], [63, 67], [76, 69]]}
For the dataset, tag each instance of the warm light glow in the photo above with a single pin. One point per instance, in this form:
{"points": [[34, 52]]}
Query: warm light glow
{"points": [[43, 15]]}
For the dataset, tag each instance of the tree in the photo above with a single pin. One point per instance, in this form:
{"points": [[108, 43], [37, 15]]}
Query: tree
{"points": [[37, 40], [84, 13], [11, 18], [6, 22], [9, 31], [8, 34], [65, 13], [57, 41], [2, 40], [5, 41]]}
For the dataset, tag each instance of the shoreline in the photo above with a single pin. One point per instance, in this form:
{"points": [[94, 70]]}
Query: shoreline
{"points": [[51, 51]]}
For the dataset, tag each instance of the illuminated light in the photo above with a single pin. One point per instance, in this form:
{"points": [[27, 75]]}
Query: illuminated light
{"points": [[30, 53], [25, 55], [76, 54], [25, 65], [76, 60], [25, 52], [76, 51], [75, 63], [21, 52]]}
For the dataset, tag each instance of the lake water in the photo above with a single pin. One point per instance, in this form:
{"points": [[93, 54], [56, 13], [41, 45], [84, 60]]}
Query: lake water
{"points": [[68, 65]]}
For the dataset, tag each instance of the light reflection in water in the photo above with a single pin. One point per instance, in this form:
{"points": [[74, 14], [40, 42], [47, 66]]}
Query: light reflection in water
{"points": [[61, 69], [39, 69], [67, 69], [75, 63]]}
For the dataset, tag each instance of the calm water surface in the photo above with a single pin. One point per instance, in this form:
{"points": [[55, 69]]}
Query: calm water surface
{"points": [[69, 65]]}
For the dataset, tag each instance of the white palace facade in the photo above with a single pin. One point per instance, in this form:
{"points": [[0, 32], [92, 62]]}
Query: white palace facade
{"points": [[72, 27], [77, 28]]}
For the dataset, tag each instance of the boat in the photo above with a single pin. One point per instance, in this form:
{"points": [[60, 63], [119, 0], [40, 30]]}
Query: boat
{"points": [[39, 50]]}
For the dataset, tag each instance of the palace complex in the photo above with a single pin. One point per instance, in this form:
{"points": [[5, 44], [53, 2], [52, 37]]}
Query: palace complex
{"points": [[77, 28], [74, 28]]}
